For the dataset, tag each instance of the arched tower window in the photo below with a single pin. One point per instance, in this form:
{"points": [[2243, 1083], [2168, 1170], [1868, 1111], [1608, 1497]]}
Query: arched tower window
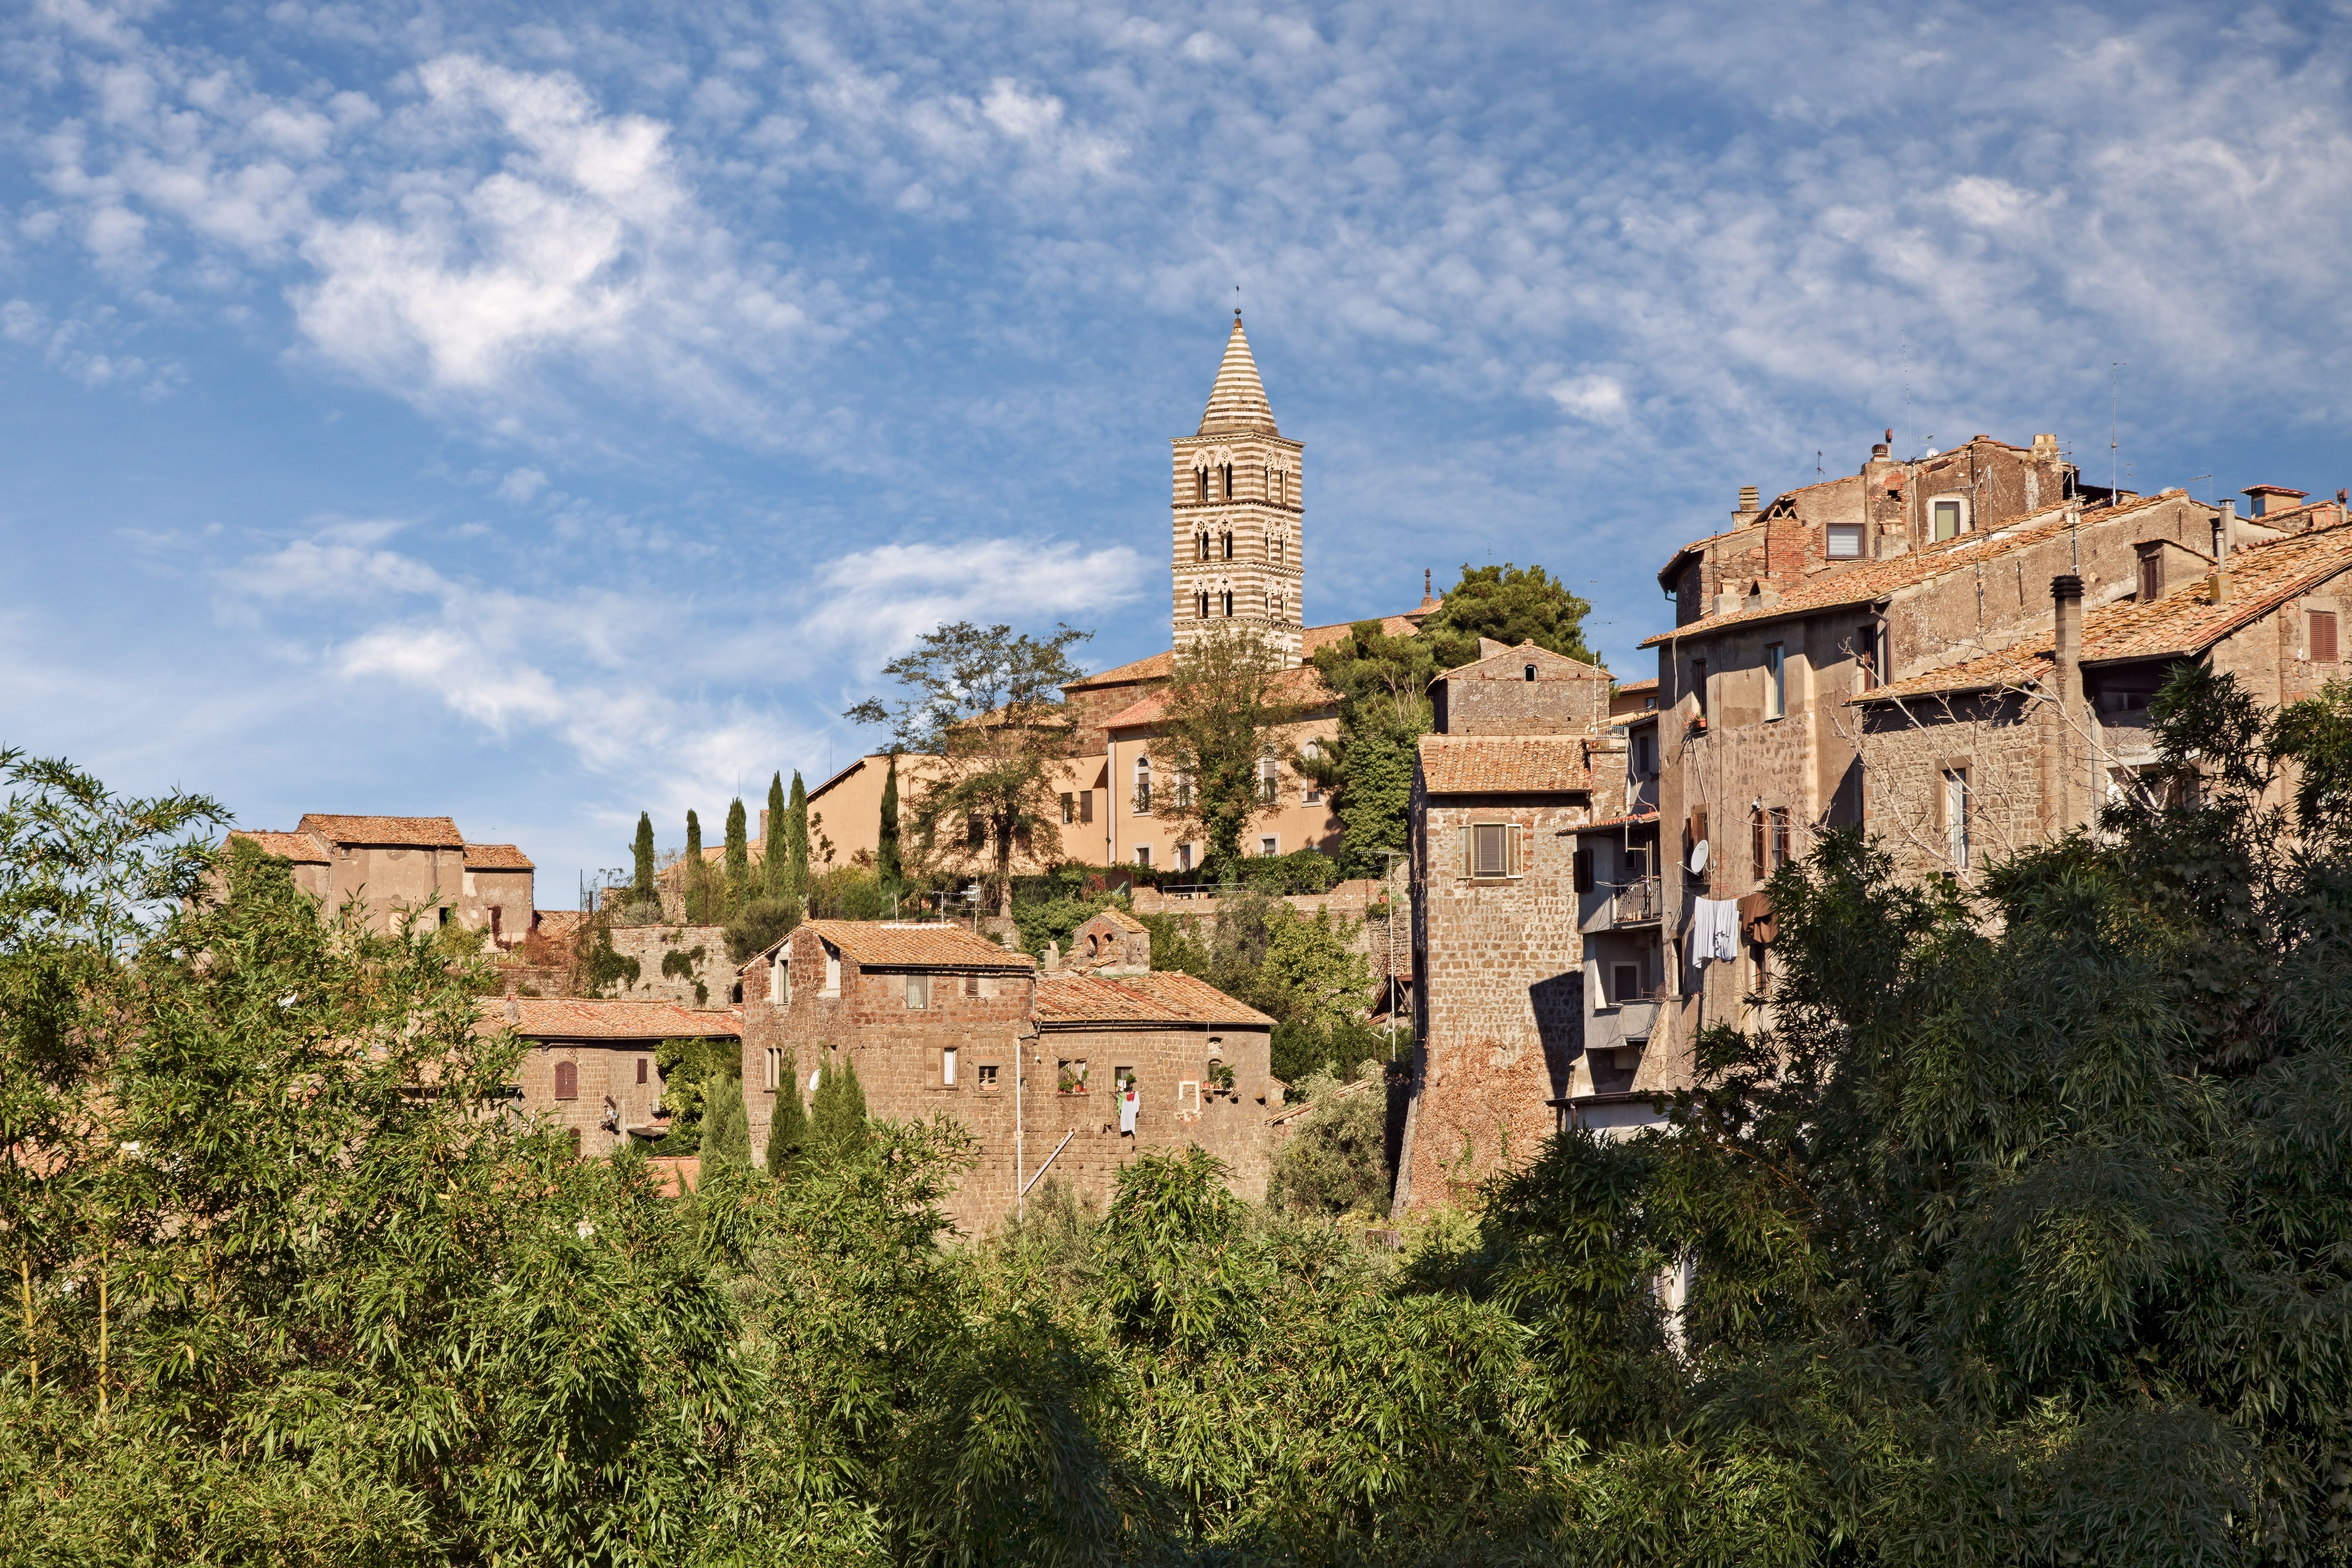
{"points": [[1201, 605], [1229, 544], [1229, 481], [1201, 546], [1199, 484], [1229, 603]]}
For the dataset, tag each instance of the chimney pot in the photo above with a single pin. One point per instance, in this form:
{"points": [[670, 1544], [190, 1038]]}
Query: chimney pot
{"points": [[1749, 497]]}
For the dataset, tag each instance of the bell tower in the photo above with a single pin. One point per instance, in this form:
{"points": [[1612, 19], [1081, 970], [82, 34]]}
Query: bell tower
{"points": [[1238, 515]]}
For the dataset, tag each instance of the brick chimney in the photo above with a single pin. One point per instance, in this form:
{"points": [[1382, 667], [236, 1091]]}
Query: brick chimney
{"points": [[1750, 504], [2066, 602]]}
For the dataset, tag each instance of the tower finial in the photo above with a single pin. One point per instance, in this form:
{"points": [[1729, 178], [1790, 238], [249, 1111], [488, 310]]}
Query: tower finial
{"points": [[1425, 581]]}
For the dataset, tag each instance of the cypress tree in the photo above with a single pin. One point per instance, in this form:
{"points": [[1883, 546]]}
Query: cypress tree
{"points": [[738, 859], [885, 853], [645, 892], [775, 869], [726, 1131], [796, 838], [839, 1121], [697, 911], [788, 1132]]}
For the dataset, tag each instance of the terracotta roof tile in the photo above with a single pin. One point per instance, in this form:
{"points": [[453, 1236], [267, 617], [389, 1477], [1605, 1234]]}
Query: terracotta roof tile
{"points": [[1119, 918], [1649, 685], [496, 857], [592, 1018], [1503, 764], [1507, 663], [1638, 819], [890, 944], [1160, 996], [1872, 581], [557, 925], [303, 848], [1311, 640], [2262, 577], [406, 832], [1301, 684]]}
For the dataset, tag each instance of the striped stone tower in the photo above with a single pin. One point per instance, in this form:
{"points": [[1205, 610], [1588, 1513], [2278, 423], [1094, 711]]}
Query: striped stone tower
{"points": [[1238, 535]]}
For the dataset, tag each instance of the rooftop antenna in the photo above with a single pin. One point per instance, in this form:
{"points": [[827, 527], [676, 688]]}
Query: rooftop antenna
{"points": [[1817, 463], [1906, 390], [2194, 477], [2115, 402]]}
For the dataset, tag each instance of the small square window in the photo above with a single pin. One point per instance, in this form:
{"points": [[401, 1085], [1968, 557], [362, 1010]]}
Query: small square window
{"points": [[1070, 1076], [986, 1082], [1490, 850], [1143, 855], [1948, 521], [918, 992], [1845, 541], [1269, 846], [971, 984]]}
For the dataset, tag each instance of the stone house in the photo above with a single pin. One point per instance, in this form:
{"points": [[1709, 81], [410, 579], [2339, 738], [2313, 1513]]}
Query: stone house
{"points": [[941, 1022], [1761, 743], [1500, 793], [592, 1065], [1974, 761], [404, 869]]}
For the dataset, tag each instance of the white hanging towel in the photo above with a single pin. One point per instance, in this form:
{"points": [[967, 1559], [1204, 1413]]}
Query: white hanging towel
{"points": [[1127, 1109], [1714, 929]]}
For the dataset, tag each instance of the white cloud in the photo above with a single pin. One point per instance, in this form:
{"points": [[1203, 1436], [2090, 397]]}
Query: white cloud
{"points": [[521, 485]]}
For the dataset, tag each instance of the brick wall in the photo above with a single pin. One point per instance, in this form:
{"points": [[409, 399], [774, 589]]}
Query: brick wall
{"points": [[607, 1069]]}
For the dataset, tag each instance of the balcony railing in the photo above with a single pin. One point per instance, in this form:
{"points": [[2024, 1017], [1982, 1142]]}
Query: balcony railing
{"points": [[1636, 903]]}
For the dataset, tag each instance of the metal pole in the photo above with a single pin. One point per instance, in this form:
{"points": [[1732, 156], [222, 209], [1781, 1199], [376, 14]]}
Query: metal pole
{"points": [[1020, 1191]]}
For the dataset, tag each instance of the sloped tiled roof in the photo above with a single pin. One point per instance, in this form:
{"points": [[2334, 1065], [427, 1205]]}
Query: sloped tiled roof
{"points": [[1311, 641], [1872, 581], [1301, 684], [1160, 996], [496, 857], [403, 832], [557, 925], [1119, 918], [592, 1018], [1503, 764], [1637, 686], [1237, 402], [1507, 663], [303, 848], [892, 945], [1639, 820], [2262, 578]]}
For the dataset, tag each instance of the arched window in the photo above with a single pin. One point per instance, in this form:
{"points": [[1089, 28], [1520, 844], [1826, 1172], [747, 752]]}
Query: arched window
{"points": [[1531, 672], [1229, 544], [1201, 546], [1201, 605], [1281, 487], [1143, 786], [1199, 484]]}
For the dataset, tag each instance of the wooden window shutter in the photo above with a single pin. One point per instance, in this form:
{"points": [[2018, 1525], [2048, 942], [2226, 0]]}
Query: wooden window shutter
{"points": [[2322, 637], [567, 1080], [1465, 849]]}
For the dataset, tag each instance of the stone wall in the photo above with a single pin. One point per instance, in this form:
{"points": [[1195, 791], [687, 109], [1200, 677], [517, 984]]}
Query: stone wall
{"points": [[698, 973], [624, 1071], [1499, 996]]}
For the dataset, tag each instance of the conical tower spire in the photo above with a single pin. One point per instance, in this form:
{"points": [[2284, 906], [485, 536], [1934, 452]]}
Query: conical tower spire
{"points": [[1238, 400]]}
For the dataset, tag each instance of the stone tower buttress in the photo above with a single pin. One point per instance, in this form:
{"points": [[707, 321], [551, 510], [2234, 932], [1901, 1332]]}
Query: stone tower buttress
{"points": [[1237, 537]]}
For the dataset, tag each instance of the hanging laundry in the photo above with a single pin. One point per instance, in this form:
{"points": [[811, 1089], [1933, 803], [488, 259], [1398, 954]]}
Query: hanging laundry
{"points": [[1128, 1103]]}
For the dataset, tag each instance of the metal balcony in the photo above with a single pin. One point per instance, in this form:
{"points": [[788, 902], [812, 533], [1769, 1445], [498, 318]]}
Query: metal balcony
{"points": [[1636, 903]]}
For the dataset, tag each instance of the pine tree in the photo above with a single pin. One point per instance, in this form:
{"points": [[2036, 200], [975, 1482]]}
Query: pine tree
{"points": [[839, 1121], [726, 1130], [774, 835], [645, 891], [885, 853], [796, 838], [739, 859], [694, 878], [788, 1132]]}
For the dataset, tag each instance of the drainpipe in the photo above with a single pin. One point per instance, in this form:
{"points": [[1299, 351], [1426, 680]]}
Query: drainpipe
{"points": [[2066, 596]]}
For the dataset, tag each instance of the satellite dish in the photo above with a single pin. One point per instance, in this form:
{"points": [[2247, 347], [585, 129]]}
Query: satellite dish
{"points": [[1698, 857]]}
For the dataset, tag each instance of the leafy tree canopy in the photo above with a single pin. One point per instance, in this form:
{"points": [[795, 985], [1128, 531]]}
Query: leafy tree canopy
{"points": [[1511, 605]]}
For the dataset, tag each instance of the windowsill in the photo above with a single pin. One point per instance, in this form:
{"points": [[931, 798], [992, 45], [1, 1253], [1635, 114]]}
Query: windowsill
{"points": [[1491, 880]]}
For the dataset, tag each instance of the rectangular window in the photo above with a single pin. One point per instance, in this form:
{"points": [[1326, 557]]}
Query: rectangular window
{"points": [[918, 992], [1122, 1079], [2322, 637], [1956, 817], [1070, 1076], [1776, 680], [1490, 850], [1143, 854], [1269, 846], [1845, 541], [1756, 841], [1267, 783], [1946, 514], [1312, 792], [1698, 685], [987, 1080], [976, 831], [831, 970], [1583, 870], [1069, 808], [1624, 982], [2152, 575], [971, 984], [1086, 805], [1780, 837], [1183, 856], [1866, 656], [947, 1067]]}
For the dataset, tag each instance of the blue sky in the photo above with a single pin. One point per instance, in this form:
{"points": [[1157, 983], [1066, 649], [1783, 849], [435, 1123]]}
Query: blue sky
{"points": [[537, 415]]}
